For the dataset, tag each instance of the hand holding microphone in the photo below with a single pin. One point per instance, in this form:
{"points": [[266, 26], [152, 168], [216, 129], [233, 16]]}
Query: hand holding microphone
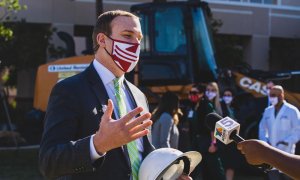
{"points": [[227, 130], [258, 152]]}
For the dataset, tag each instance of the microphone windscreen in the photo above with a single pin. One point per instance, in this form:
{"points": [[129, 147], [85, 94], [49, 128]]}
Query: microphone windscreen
{"points": [[211, 119]]}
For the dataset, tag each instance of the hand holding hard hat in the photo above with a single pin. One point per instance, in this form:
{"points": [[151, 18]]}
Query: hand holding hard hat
{"points": [[168, 163]]}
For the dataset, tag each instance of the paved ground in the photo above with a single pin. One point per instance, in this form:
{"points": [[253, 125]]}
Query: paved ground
{"points": [[19, 164]]}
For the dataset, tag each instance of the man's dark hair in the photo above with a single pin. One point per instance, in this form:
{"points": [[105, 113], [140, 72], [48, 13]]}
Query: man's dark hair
{"points": [[103, 24], [201, 87], [228, 89], [169, 103]]}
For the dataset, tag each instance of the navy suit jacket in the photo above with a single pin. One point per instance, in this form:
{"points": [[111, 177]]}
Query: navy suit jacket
{"points": [[73, 115]]}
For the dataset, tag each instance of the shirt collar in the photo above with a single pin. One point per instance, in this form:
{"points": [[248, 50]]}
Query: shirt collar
{"points": [[105, 74]]}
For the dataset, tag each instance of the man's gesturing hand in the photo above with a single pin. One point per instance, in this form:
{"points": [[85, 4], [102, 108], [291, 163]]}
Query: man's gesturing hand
{"points": [[115, 133]]}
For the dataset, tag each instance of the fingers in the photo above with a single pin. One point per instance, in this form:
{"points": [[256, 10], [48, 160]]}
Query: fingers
{"points": [[109, 110], [138, 120], [243, 144], [239, 146], [184, 177], [131, 115], [139, 130], [137, 127], [140, 127], [139, 134]]}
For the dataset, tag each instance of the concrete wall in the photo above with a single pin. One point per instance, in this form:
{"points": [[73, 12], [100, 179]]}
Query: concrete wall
{"points": [[257, 52], [69, 11], [243, 20], [285, 23], [259, 22], [59, 11], [291, 2]]}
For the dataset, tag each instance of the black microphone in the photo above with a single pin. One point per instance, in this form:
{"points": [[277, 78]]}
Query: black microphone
{"points": [[230, 128], [227, 130]]}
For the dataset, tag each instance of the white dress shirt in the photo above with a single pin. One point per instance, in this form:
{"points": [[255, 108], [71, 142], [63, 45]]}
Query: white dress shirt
{"points": [[107, 78]]}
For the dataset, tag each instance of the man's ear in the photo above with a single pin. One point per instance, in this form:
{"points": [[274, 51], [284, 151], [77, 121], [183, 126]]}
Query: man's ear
{"points": [[101, 39], [282, 96]]}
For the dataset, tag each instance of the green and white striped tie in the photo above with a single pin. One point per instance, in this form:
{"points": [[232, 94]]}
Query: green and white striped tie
{"points": [[131, 146]]}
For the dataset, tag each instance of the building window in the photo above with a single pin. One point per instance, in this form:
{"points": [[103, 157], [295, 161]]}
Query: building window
{"points": [[264, 1], [170, 40]]}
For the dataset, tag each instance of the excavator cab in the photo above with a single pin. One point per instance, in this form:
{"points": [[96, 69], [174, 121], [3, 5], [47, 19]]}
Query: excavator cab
{"points": [[177, 51], [177, 47]]}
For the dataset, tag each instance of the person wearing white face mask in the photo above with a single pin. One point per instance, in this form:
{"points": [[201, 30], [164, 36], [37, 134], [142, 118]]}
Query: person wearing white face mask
{"points": [[229, 154], [204, 141], [280, 125], [226, 103], [210, 94], [269, 85]]}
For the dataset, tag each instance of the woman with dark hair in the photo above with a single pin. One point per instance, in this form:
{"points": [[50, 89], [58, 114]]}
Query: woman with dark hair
{"points": [[165, 119], [211, 167], [229, 153]]}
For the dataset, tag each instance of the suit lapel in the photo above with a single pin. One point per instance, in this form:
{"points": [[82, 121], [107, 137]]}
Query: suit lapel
{"points": [[101, 94], [139, 100], [97, 85], [137, 97]]}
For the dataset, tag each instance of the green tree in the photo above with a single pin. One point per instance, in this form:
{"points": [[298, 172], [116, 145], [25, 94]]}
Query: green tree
{"points": [[8, 9], [27, 49]]}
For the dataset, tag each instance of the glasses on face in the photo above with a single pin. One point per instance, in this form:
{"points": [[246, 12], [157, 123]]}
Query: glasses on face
{"points": [[193, 92]]}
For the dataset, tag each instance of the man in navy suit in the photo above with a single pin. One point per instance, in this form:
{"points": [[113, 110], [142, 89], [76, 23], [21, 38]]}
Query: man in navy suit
{"points": [[95, 119], [85, 137]]}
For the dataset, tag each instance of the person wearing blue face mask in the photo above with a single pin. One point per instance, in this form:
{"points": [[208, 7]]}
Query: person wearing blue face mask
{"points": [[280, 125]]}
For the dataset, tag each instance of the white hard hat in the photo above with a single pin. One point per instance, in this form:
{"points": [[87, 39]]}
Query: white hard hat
{"points": [[168, 163]]}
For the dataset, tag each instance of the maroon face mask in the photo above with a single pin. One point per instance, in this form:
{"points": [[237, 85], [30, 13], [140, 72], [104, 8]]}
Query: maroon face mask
{"points": [[194, 98], [125, 54]]}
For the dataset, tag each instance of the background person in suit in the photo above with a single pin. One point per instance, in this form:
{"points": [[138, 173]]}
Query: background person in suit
{"points": [[84, 138]]}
